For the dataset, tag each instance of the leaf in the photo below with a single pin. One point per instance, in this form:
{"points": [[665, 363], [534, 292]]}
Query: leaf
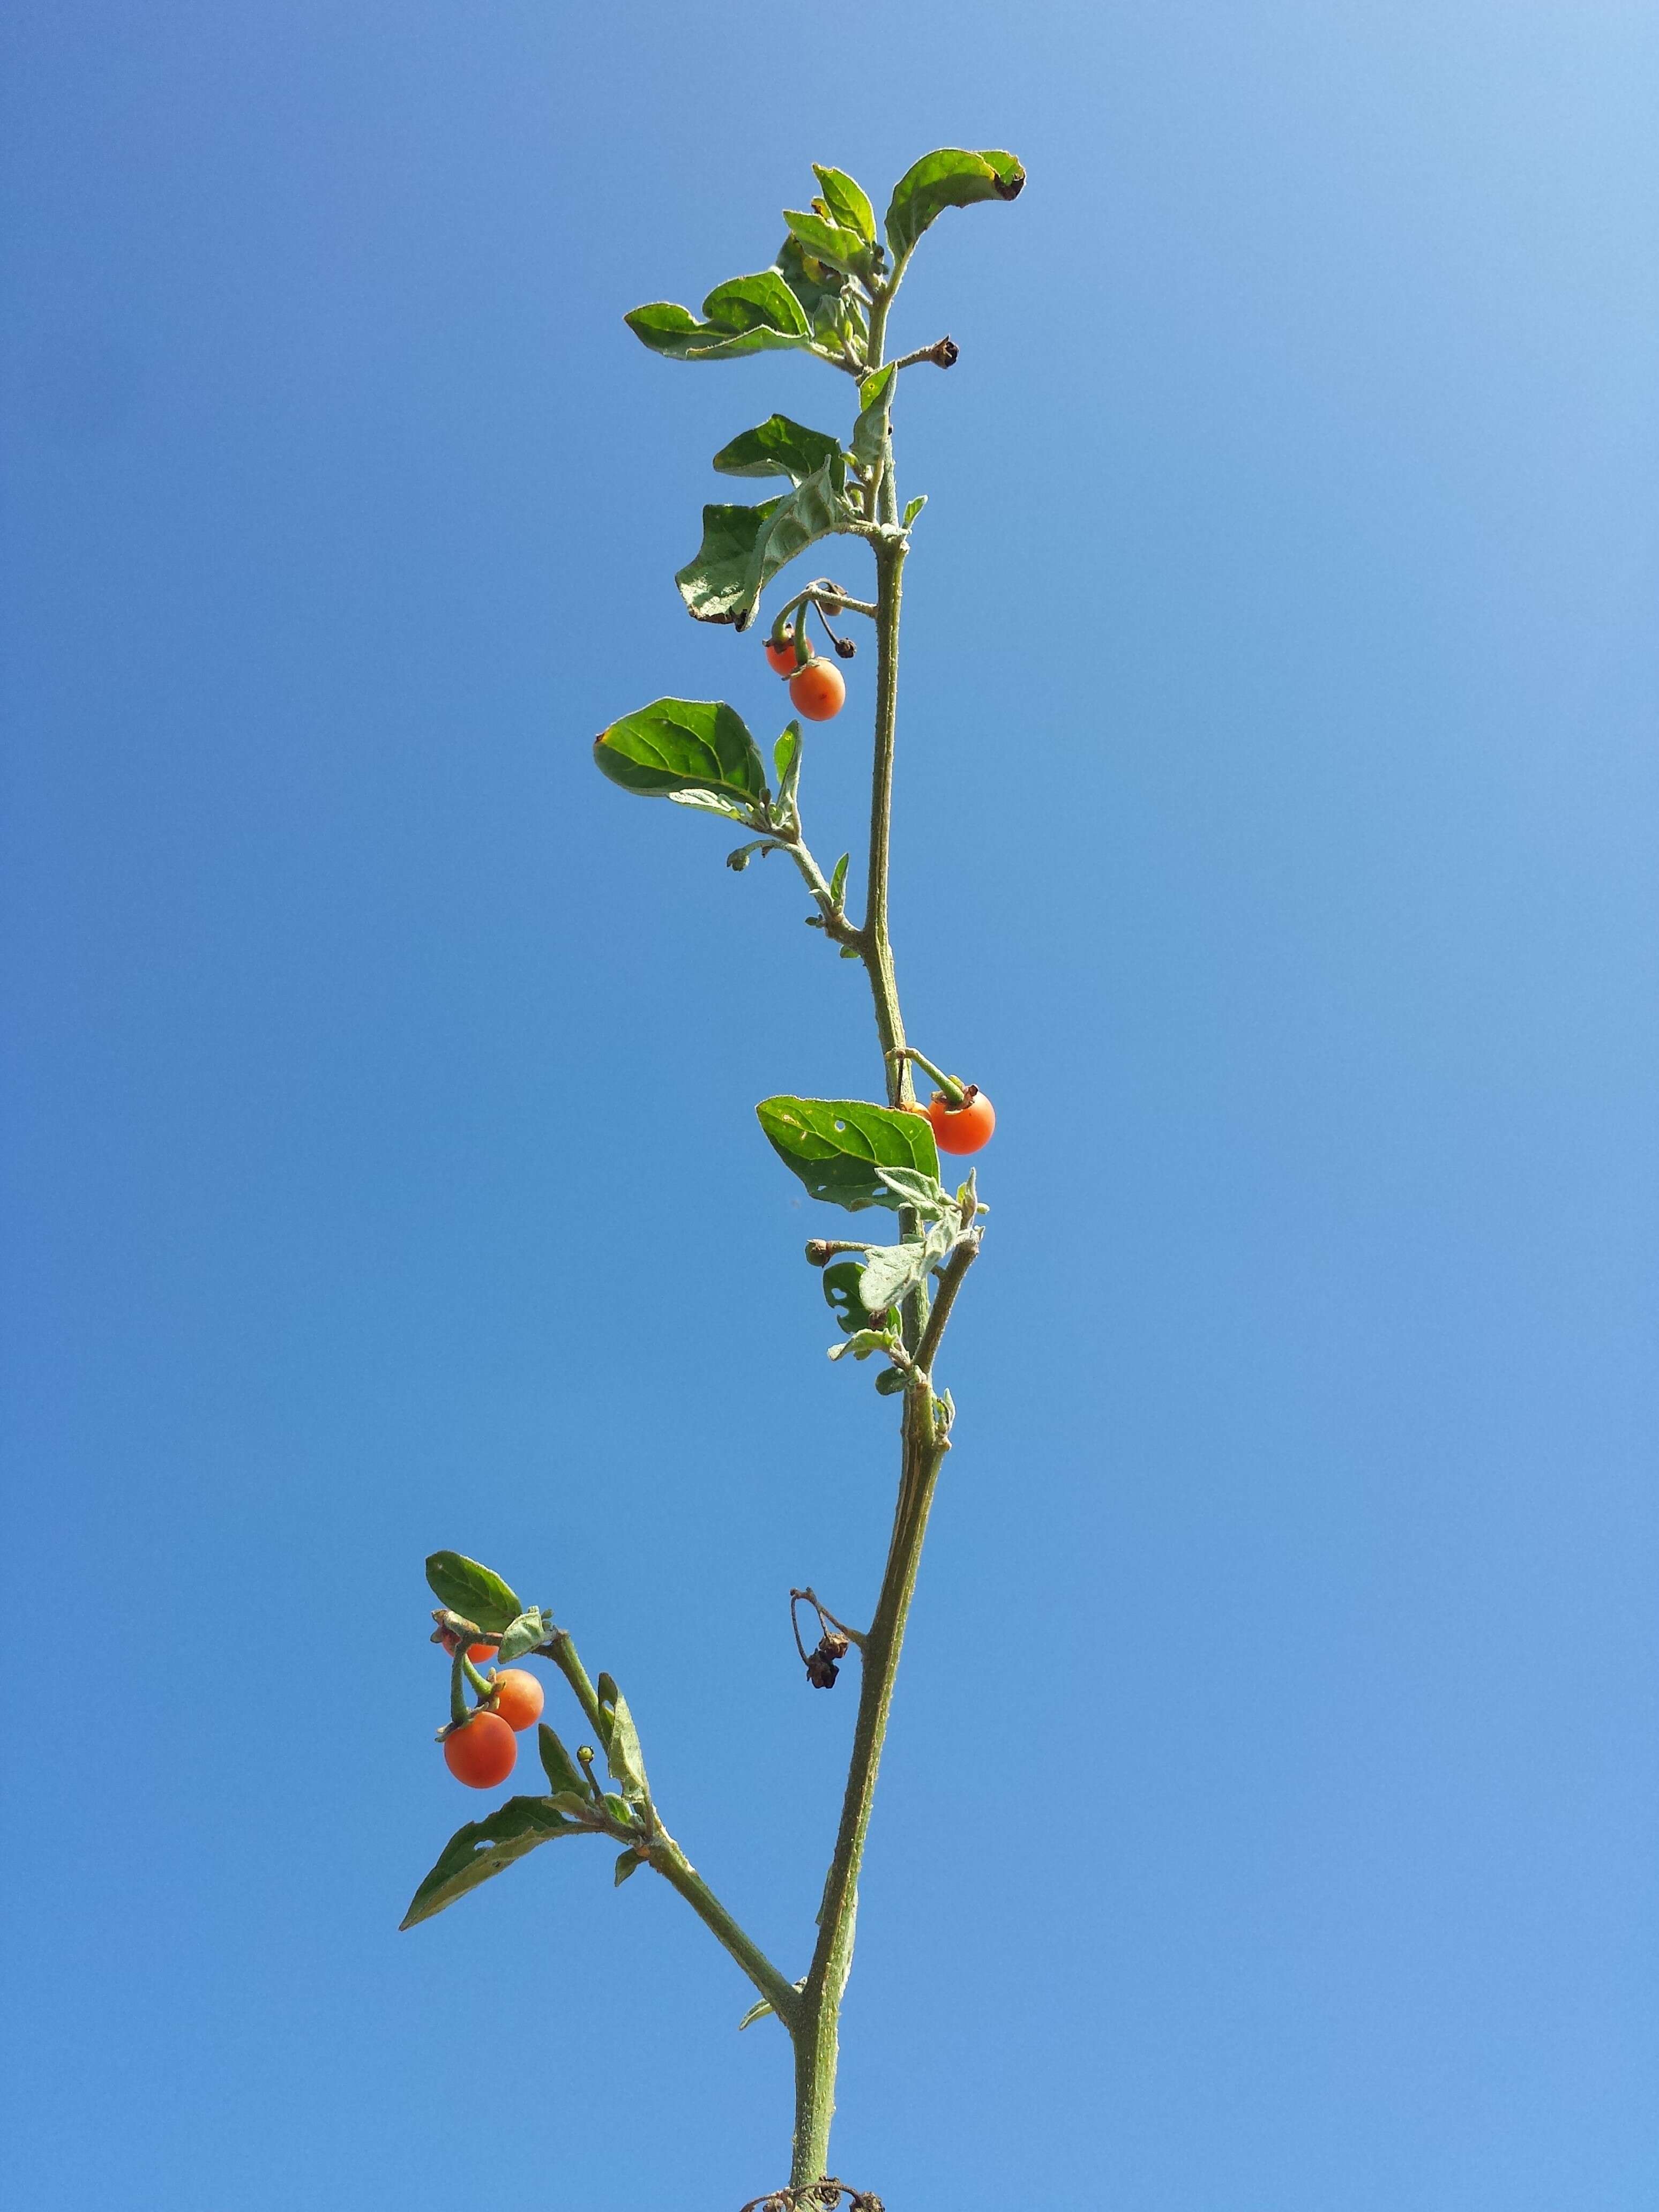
{"points": [[870, 431], [628, 1862], [743, 547], [847, 202], [893, 1271], [483, 1848], [862, 1342], [621, 1748], [838, 881], [747, 314], [838, 1146], [841, 1293], [835, 318], [913, 508], [824, 239], [473, 1591], [563, 1775], [785, 759], [776, 448], [925, 1192], [619, 1809], [531, 1628], [949, 178], [755, 2012], [891, 1381], [693, 749]]}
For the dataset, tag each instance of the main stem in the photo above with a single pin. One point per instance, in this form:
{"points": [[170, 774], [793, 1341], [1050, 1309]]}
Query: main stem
{"points": [[816, 2029]]}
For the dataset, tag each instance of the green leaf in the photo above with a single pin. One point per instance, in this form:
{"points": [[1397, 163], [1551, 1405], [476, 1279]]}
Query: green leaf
{"points": [[744, 547], [776, 448], [695, 749], [891, 1381], [562, 1773], [825, 241], [892, 1271], [913, 508], [835, 318], [847, 202], [473, 1591], [747, 314], [619, 1809], [862, 1342], [531, 1628], [786, 759], [605, 1691], [841, 1293], [870, 431], [838, 880], [755, 2012], [483, 1848], [949, 178], [925, 1192], [838, 1146], [629, 1864], [621, 1745]]}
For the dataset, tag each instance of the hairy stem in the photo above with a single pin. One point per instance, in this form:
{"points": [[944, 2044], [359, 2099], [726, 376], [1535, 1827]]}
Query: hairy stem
{"points": [[878, 948], [676, 1869]]}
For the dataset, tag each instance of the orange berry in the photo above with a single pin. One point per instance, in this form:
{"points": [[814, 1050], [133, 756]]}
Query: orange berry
{"points": [[780, 659], [818, 691], [961, 1129], [519, 1697], [482, 1752], [477, 1653]]}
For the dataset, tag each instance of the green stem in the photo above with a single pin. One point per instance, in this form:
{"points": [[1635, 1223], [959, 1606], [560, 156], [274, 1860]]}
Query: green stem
{"points": [[878, 948], [677, 1870]]}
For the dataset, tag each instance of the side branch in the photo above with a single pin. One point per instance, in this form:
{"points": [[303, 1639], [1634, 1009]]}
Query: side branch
{"points": [[672, 1864]]}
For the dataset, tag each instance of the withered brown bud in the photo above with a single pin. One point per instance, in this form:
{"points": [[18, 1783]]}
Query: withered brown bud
{"points": [[821, 1669], [818, 1252]]}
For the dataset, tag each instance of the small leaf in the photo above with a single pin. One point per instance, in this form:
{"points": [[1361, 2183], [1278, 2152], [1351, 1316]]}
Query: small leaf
{"points": [[473, 1591], [838, 880], [870, 431], [923, 1191], [483, 1848], [913, 508], [743, 548], [949, 178], [777, 447], [786, 759], [891, 1381], [629, 1864], [847, 202], [824, 239], [524, 1634], [563, 1775], [862, 1342], [740, 860], [697, 749], [851, 952], [841, 1293], [836, 318], [838, 1146], [619, 1809], [877, 386], [622, 1747], [755, 2012], [606, 1692], [892, 1271]]}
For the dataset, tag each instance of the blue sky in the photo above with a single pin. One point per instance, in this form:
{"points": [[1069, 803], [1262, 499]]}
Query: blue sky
{"points": [[1270, 1817]]}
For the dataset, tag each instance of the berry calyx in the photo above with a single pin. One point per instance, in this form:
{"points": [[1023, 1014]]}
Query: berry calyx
{"points": [[519, 1698], [482, 1752], [961, 1129], [477, 1653], [780, 659], [818, 691]]}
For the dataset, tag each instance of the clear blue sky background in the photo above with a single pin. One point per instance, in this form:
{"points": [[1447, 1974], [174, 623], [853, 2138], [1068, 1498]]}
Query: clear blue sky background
{"points": [[1270, 1823]]}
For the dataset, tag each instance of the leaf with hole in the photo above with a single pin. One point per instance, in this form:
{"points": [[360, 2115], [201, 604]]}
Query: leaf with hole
{"points": [[841, 1293], [473, 1591], [952, 177], [777, 447], [483, 1848], [839, 1147], [696, 751]]}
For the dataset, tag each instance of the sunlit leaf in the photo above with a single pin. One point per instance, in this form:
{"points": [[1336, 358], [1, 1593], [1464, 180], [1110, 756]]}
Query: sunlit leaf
{"points": [[747, 314], [687, 749], [744, 547], [949, 178], [473, 1591], [847, 202], [776, 448], [838, 1146], [483, 1848], [531, 1628], [564, 1775]]}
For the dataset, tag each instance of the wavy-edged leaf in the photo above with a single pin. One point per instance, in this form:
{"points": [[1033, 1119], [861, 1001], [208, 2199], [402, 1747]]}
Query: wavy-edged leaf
{"points": [[483, 1848], [848, 201], [951, 177], [746, 314], [840, 1294], [564, 1775], [473, 1591], [891, 1272], [744, 547], [776, 448], [836, 1146], [696, 751]]}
